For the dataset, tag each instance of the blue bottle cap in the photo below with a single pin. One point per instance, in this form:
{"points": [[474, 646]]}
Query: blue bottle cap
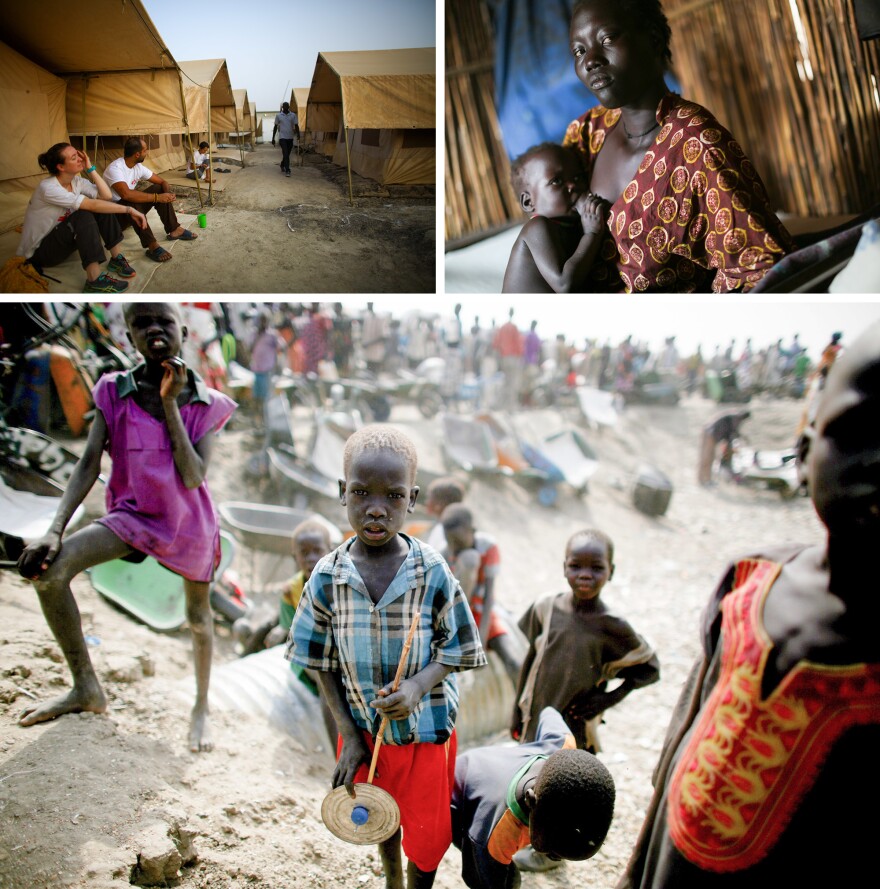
{"points": [[360, 815]]}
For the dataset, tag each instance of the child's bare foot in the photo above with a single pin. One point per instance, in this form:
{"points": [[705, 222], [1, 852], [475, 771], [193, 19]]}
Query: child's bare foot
{"points": [[75, 701], [200, 740]]}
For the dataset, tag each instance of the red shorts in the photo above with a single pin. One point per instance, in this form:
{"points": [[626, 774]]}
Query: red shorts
{"points": [[420, 777], [496, 628]]}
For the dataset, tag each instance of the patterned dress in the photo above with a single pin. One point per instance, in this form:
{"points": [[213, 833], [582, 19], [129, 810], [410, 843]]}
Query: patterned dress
{"points": [[696, 216]]}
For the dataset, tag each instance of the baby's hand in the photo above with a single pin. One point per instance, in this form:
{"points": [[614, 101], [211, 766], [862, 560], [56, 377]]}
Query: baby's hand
{"points": [[593, 211]]}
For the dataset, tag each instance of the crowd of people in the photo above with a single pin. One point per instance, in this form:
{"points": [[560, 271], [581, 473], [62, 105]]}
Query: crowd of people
{"points": [[498, 365]]}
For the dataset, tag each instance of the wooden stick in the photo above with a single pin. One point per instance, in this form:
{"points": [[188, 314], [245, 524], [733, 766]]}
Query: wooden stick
{"points": [[406, 647]]}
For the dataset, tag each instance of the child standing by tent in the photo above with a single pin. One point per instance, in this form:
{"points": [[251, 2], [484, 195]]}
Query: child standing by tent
{"points": [[156, 422]]}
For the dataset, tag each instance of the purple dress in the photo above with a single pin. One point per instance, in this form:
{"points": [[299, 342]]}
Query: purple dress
{"points": [[148, 505]]}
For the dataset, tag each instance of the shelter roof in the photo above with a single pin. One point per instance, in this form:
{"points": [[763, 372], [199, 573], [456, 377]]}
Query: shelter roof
{"points": [[381, 89], [61, 36], [209, 74]]}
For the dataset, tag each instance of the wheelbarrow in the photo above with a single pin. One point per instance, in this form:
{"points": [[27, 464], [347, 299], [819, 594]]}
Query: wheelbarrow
{"points": [[154, 595], [267, 528]]}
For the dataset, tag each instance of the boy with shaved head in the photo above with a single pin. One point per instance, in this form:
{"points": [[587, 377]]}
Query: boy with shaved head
{"points": [[350, 628]]}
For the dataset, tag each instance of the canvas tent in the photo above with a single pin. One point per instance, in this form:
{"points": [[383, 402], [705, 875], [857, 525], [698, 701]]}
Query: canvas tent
{"points": [[381, 105], [126, 86], [244, 133], [256, 123], [32, 111], [299, 101], [206, 86]]}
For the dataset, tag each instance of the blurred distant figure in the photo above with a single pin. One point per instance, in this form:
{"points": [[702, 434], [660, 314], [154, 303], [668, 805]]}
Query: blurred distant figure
{"points": [[508, 345], [374, 338], [723, 427], [265, 347]]}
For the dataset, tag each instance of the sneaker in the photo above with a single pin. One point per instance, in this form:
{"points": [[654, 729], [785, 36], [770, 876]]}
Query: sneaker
{"points": [[119, 265], [105, 284], [534, 862], [287, 174]]}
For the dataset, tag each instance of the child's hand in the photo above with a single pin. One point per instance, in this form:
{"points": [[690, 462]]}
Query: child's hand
{"points": [[354, 754], [399, 704], [174, 379], [593, 211], [36, 558], [586, 707]]}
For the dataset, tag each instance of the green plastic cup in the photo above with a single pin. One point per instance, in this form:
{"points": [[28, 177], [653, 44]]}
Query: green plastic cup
{"points": [[203, 220]]}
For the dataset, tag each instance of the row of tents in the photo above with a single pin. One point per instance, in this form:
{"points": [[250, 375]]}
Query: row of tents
{"points": [[372, 111]]}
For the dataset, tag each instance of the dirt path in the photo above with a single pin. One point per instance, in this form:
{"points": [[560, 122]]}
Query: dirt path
{"points": [[267, 233], [95, 802]]}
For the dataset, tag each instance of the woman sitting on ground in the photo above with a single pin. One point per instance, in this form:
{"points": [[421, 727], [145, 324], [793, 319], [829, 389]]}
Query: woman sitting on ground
{"points": [[689, 213], [70, 212]]}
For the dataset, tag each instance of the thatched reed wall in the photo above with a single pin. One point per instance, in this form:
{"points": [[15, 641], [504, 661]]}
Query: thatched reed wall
{"points": [[801, 101], [816, 142], [478, 194]]}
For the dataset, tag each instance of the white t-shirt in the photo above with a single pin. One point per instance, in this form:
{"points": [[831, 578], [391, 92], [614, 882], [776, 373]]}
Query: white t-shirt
{"points": [[286, 124], [50, 204], [118, 171], [197, 159]]}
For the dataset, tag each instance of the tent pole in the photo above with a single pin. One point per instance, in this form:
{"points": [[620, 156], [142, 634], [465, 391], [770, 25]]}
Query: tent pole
{"points": [[240, 138], [85, 136], [210, 138], [189, 136], [348, 163]]}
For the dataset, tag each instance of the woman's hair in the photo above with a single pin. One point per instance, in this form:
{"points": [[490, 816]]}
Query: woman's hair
{"points": [[651, 17], [50, 159]]}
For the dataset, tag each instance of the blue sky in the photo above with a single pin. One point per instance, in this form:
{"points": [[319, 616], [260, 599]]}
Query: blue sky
{"points": [[270, 46]]}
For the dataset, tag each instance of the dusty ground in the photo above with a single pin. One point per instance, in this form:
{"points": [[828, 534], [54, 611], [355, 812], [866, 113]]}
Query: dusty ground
{"points": [[267, 233], [83, 800]]}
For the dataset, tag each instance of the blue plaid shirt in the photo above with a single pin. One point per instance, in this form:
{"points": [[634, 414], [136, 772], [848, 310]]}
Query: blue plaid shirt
{"points": [[337, 627]]}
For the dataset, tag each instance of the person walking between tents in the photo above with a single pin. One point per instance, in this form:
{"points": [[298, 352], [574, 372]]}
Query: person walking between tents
{"points": [[287, 127]]}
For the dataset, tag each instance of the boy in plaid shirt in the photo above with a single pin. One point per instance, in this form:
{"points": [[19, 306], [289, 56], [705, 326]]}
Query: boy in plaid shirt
{"points": [[350, 627]]}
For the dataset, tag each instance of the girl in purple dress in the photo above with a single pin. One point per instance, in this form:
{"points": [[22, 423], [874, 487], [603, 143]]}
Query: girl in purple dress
{"points": [[155, 422]]}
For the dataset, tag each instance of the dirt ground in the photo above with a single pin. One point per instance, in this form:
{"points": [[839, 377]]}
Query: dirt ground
{"points": [[267, 233], [97, 801]]}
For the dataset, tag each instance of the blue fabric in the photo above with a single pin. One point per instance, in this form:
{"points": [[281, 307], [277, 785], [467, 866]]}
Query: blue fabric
{"points": [[337, 627], [537, 93]]}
